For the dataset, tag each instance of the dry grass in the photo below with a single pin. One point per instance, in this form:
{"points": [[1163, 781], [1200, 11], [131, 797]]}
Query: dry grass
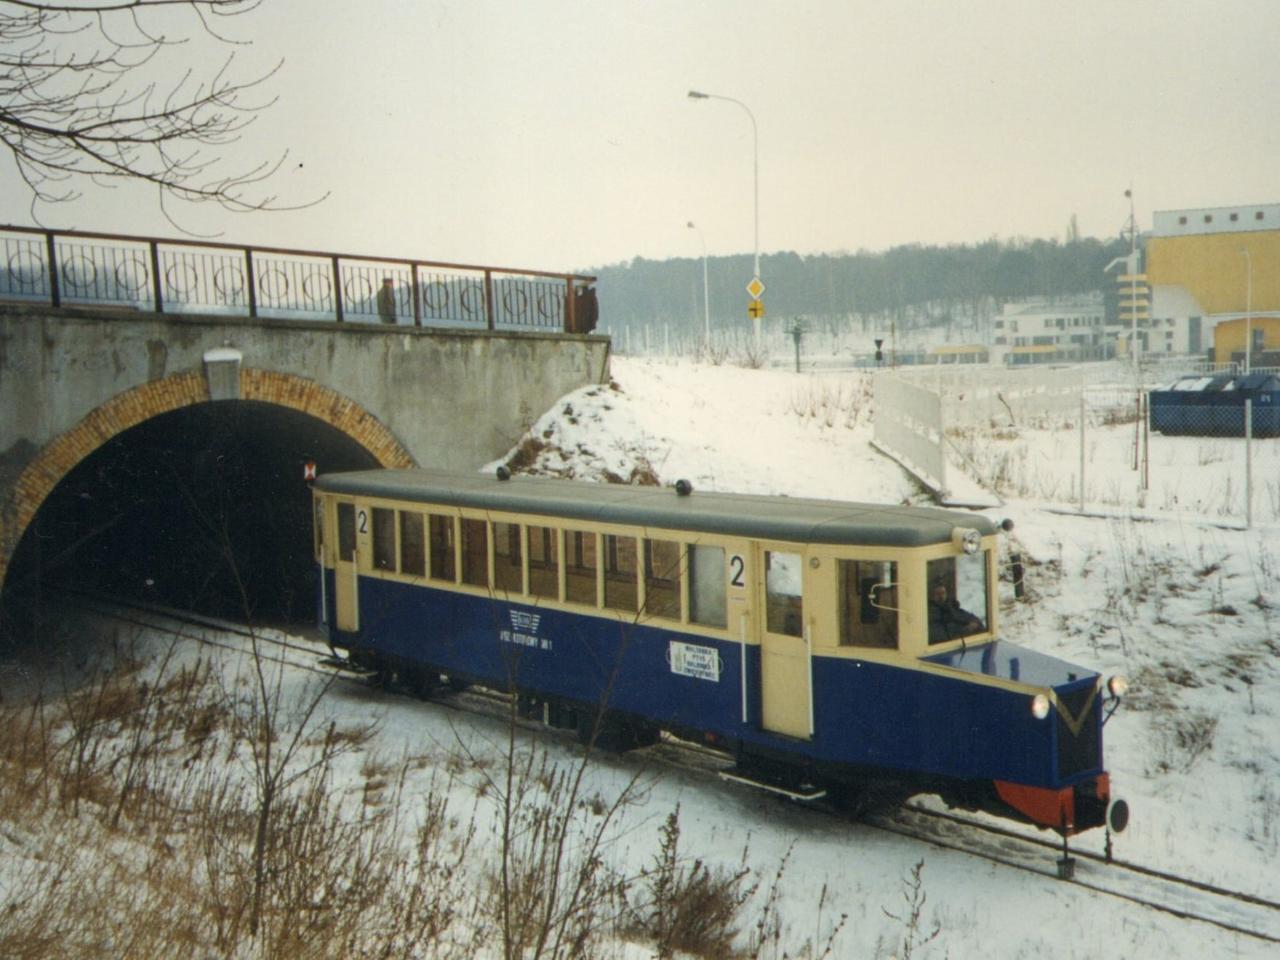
{"points": [[689, 908], [131, 824], [128, 833]]}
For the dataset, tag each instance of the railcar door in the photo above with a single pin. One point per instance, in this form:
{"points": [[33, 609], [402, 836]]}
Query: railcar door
{"points": [[346, 595], [785, 673]]}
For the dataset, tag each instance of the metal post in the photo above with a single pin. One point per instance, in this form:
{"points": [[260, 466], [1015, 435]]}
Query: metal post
{"points": [[1137, 428], [488, 299], [417, 295], [337, 290], [51, 255], [570, 308], [1146, 441], [250, 283], [1248, 463], [706, 295], [942, 450], [1248, 312], [1081, 491], [755, 181], [156, 286]]}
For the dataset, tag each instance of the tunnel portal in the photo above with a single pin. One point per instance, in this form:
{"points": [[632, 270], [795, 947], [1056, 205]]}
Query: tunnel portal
{"points": [[204, 508]]}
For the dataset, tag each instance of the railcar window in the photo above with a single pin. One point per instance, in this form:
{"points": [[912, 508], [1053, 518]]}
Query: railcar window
{"points": [[662, 578], [783, 582], [384, 539], [347, 532], [620, 570], [475, 552], [580, 567], [868, 604], [544, 563], [508, 568], [958, 604], [412, 545], [443, 564], [706, 586]]}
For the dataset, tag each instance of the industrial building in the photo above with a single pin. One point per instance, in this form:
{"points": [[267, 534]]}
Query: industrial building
{"points": [[1214, 280]]}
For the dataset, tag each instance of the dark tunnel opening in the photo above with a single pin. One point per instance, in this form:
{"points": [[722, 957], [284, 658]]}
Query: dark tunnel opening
{"points": [[205, 508]]}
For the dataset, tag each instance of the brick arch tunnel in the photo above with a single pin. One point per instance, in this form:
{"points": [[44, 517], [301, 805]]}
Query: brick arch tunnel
{"points": [[166, 494]]}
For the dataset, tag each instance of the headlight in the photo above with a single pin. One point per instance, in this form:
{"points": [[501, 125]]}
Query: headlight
{"points": [[1117, 686], [1040, 706], [967, 539]]}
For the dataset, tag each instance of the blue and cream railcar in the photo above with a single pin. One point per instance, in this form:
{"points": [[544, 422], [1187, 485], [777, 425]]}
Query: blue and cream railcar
{"points": [[819, 642]]}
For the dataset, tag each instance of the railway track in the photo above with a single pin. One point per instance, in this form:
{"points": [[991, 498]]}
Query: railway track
{"points": [[1184, 897]]}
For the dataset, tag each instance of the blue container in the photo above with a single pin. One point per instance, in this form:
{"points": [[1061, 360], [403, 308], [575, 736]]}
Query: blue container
{"points": [[1214, 406]]}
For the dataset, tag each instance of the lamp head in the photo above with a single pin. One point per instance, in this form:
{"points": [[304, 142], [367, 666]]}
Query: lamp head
{"points": [[695, 95]]}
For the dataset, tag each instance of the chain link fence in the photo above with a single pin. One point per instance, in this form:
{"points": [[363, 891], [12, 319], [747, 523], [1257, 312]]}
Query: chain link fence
{"points": [[1167, 438]]}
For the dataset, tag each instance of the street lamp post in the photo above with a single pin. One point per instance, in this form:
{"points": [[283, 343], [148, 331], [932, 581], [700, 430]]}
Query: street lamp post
{"points": [[1248, 311], [1132, 227], [706, 296], [755, 178]]}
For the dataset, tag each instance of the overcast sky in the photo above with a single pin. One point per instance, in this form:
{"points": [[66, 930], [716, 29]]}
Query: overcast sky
{"points": [[558, 134]]}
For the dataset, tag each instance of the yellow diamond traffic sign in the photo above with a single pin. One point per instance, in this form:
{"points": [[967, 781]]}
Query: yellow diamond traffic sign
{"points": [[755, 288], [755, 308]]}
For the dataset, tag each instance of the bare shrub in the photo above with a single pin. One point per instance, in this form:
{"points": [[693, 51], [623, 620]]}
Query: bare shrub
{"points": [[554, 894], [750, 354], [180, 880], [831, 405], [1185, 736], [689, 908], [915, 931]]}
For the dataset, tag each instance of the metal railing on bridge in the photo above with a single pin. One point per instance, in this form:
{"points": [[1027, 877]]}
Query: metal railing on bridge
{"points": [[69, 267]]}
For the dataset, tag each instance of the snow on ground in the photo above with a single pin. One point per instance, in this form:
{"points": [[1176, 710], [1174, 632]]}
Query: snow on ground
{"points": [[1184, 608], [722, 428], [1181, 606]]}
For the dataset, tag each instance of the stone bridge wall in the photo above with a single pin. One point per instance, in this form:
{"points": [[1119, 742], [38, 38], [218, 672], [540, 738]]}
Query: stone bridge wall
{"points": [[72, 378]]}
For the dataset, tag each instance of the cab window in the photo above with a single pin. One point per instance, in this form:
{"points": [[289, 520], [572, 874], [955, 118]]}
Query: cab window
{"points": [[957, 597], [868, 604]]}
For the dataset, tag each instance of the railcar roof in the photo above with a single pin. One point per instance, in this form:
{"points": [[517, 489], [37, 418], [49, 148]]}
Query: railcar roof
{"points": [[734, 514]]}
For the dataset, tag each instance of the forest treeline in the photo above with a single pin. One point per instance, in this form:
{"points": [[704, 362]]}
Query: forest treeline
{"points": [[961, 283]]}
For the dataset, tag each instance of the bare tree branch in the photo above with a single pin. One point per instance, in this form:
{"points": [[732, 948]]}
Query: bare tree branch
{"points": [[84, 96]]}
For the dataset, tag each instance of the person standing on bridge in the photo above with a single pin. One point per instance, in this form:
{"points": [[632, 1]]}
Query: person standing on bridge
{"points": [[387, 301]]}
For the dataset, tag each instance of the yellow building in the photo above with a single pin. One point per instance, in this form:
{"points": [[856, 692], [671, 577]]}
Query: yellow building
{"points": [[1229, 341], [1216, 264], [965, 353]]}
